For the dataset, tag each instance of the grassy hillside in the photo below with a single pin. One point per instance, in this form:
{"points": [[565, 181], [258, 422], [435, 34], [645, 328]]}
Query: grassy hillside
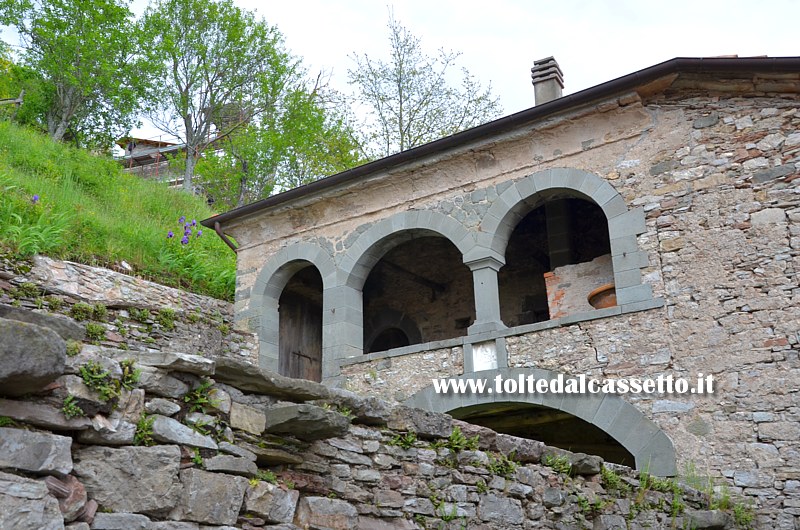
{"points": [[67, 203]]}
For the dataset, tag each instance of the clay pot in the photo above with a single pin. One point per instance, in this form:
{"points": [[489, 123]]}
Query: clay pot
{"points": [[602, 297]]}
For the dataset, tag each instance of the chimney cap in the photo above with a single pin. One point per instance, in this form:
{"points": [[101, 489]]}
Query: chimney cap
{"points": [[547, 80], [546, 69]]}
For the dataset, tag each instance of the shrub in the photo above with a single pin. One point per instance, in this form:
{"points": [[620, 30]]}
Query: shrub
{"points": [[81, 311], [130, 374], [71, 409], [139, 315], [95, 332], [99, 312], [144, 431], [73, 347], [166, 318], [199, 398], [100, 380]]}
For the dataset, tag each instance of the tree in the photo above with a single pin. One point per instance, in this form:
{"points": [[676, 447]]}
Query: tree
{"points": [[410, 100], [85, 53], [220, 70], [304, 137]]}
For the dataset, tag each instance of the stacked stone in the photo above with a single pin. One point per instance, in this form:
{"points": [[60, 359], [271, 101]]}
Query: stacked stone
{"points": [[265, 451], [57, 286]]}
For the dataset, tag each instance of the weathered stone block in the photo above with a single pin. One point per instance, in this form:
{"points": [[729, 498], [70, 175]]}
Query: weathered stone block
{"points": [[247, 418], [131, 479], [174, 362], [172, 431], [159, 383], [610, 522], [307, 422], [70, 493], [500, 510], [65, 327], [334, 514], [35, 452], [25, 504], [31, 356], [274, 503], [162, 406], [211, 498], [120, 521], [779, 430], [245, 376], [231, 464], [422, 422]]}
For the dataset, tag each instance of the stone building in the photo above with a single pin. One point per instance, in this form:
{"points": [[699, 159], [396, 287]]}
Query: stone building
{"points": [[670, 194]]}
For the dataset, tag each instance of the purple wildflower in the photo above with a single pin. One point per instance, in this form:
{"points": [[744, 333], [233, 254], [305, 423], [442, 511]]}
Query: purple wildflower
{"points": [[185, 240], [170, 235], [199, 233], [194, 222], [182, 219], [35, 199]]}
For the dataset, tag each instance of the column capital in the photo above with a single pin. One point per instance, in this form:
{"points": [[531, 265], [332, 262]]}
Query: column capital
{"points": [[486, 262]]}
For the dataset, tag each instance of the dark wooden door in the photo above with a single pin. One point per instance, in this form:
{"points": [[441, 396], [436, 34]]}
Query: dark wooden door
{"points": [[300, 342]]}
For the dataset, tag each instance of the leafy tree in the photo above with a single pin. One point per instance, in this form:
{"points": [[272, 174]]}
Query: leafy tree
{"points": [[410, 99], [299, 140], [84, 53], [220, 69]]}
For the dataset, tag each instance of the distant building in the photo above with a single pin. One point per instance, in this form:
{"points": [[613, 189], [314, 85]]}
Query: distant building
{"points": [[150, 158]]}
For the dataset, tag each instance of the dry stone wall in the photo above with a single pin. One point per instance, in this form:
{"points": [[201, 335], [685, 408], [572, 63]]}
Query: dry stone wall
{"points": [[157, 440], [125, 312]]}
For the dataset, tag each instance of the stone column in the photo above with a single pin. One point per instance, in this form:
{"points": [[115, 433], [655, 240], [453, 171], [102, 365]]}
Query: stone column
{"points": [[487, 295], [342, 327]]}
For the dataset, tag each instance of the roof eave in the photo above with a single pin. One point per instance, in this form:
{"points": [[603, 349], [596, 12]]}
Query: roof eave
{"points": [[615, 86]]}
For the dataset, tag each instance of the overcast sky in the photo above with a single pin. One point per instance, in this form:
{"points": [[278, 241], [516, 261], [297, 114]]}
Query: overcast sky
{"points": [[593, 41]]}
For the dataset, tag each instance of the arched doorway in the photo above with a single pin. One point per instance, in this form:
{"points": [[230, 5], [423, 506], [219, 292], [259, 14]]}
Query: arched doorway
{"points": [[300, 325], [649, 446], [419, 290], [551, 426], [537, 280]]}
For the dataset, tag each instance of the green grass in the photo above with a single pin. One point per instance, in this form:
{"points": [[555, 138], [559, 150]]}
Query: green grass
{"points": [[91, 212]]}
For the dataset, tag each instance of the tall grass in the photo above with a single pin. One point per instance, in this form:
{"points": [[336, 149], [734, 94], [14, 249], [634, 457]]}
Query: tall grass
{"points": [[88, 210]]}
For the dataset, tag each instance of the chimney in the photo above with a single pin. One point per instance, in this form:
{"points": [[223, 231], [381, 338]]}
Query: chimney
{"points": [[547, 80]]}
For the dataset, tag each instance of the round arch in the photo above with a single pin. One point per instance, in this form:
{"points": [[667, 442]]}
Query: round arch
{"points": [[524, 194], [269, 285], [650, 446], [386, 234], [623, 224]]}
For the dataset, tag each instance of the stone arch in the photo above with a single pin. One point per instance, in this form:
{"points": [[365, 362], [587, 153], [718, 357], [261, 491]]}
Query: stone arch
{"points": [[388, 319], [269, 285], [650, 446], [623, 224], [387, 233]]}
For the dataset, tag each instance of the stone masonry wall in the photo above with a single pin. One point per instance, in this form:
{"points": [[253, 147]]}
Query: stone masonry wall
{"points": [[110, 439], [127, 312], [717, 178]]}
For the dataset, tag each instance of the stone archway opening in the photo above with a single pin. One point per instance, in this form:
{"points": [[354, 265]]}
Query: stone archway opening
{"points": [[300, 325], [557, 254], [423, 283], [553, 427]]}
